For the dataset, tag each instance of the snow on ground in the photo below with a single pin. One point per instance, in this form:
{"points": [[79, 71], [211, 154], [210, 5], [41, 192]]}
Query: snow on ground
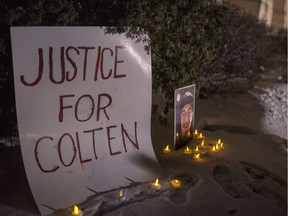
{"points": [[247, 177], [274, 100]]}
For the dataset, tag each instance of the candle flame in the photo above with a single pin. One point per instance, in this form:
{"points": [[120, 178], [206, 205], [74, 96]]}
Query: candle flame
{"points": [[176, 181], [217, 147], [202, 143], [197, 156], [187, 148], [167, 147], [214, 149], [188, 133], [197, 148], [121, 193], [177, 134], [219, 141], [156, 182], [195, 132], [200, 135], [75, 210], [222, 145]]}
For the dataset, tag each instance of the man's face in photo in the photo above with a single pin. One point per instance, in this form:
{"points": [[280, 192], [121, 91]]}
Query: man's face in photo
{"points": [[186, 118]]}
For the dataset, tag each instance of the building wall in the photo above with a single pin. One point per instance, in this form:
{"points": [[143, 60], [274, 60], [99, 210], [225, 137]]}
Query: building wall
{"points": [[272, 12]]}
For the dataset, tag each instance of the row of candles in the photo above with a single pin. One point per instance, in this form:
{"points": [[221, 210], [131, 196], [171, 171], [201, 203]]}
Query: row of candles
{"points": [[175, 183], [219, 145]]}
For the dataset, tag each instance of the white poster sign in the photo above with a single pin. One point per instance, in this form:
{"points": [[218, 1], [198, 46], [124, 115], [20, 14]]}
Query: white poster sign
{"points": [[83, 108]]}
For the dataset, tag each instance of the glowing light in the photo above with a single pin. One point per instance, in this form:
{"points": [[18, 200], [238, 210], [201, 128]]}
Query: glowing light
{"points": [[197, 156], [121, 193], [200, 136], [156, 185], [196, 132], [219, 141], [188, 133], [197, 149], [187, 150], [217, 147], [214, 149], [175, 183], [166, 150], [76, 211], [177, 134], [203, 142]]}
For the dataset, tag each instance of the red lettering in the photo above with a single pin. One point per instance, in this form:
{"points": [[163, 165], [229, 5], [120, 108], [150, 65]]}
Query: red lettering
{"points": [[63, 107], [40, 71], [60, 152], [124, 132], [92, 108], [97, 63], [109, 140], [93, 139], [117, 62], [104, 107], [85, 60], [51, 66], [102, 60], [79, 151], [72, 63], [37, 158]]}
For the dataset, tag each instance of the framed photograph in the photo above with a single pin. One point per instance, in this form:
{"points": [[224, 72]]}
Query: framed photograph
{"points": [[184, 112]]}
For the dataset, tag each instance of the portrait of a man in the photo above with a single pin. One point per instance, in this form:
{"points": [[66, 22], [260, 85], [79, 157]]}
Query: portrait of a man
{"points": [[184, 115]]}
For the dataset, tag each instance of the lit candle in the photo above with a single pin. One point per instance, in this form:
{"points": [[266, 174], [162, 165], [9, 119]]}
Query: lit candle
{"points": [[187, 150], [197, 149], [177, 135], [222, 145], [175, 183], [166, 150], [197, 156], [214, 149], [76, 211], [203, 142], [122, 196], [200, 136], [156, 185], [217, 147], [188, 134], [196, 132], [219, 141]]}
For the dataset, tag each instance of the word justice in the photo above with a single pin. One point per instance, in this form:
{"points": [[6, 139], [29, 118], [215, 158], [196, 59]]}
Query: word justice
{"points": [[76, 58], [76, 143]]}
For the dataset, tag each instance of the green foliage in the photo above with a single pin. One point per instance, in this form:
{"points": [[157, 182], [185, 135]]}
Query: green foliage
{"points": [[183, 38]]}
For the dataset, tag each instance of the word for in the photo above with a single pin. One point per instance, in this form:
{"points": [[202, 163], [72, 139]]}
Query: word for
{"points": [[104, 100], [76, 145], [102, 62]]}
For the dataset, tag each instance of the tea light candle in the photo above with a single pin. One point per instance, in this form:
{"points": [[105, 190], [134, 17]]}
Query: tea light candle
{"points": [[76, 211], [175, 183], [203, 142], [156, 185], [197, 156], [214, 149], [122, 196], [166, 150], [187, 150]]}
